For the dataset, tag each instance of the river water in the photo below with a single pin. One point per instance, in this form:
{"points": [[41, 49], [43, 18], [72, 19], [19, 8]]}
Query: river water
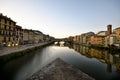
{"points": [[99, 64]]}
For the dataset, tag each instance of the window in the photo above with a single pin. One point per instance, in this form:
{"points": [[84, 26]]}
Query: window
{"points": [[14, 23], [11, 28], [9, 38], [0, 32], [9, 33], [4, 32], [10, 22], [5, 27], [0, 26], [4, 39], [5, 21], [13, 38]]}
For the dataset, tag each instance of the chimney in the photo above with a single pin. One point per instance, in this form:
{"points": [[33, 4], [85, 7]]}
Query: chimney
{"points": [[109, 29]]}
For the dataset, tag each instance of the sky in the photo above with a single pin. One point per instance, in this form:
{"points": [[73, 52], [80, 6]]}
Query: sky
{"points": [[63, 18]]}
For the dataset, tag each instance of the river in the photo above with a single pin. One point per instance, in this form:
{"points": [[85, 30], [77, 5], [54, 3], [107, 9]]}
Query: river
{"points": [[99, 64]]}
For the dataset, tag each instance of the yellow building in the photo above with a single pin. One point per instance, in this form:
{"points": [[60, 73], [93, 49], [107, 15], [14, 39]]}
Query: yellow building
{"points": [[71, 38], [7, 31], [117, 35], [102, 33], [88, 35], [31, 36], [83, 38], [19, 35], [117, 32], [38, 36], [25, 36], [97, 40], [75, 39], [114, 38]]}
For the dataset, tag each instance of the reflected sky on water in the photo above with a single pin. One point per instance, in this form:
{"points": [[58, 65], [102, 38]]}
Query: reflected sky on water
{"points": [[101, 65]]}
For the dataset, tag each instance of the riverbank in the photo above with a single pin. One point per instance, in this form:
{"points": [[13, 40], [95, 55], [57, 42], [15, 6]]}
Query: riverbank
{"points": [[59, 70], [9, 53]]}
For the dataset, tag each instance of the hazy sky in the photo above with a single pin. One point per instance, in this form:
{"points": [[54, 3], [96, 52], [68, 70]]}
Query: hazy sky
{"points": [[62, 18]]}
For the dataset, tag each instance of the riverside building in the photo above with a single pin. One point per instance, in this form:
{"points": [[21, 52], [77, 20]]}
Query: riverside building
{"points": [[7, 31]]}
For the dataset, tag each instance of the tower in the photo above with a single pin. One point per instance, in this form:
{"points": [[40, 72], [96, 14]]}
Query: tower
{"points": [[109, 29]]}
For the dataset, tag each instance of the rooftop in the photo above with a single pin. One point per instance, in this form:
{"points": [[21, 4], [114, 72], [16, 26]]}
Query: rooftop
{"points": [[5, 17]]}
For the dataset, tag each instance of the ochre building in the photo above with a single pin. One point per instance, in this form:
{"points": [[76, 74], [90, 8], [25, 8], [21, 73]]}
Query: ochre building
{"points": [[7, 31]]}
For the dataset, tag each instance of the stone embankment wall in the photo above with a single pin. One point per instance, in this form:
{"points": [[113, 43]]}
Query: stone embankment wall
{"points": [[9, 53]]}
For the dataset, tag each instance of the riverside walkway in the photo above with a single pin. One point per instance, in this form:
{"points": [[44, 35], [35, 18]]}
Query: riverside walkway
{"points": [[8, 50], [59, 70]]}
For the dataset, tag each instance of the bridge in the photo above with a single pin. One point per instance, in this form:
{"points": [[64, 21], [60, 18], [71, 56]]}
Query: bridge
{"points": [[66, 40]]}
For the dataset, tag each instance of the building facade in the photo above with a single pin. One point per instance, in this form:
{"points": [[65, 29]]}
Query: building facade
{"points": [[97, 40], [88, 35], [71, 38], [19, 35], [25, 36], [112, 38], [38, 36], [31, 35], [7, 31], [117, 32]]}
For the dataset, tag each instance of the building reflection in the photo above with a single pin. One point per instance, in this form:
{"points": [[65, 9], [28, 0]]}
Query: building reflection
{"points": [[102, 55]]}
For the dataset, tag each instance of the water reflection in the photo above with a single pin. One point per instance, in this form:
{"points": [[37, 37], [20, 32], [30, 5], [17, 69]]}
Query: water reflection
{"points": [[101, 65], [61, 43], [102, 55]]}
